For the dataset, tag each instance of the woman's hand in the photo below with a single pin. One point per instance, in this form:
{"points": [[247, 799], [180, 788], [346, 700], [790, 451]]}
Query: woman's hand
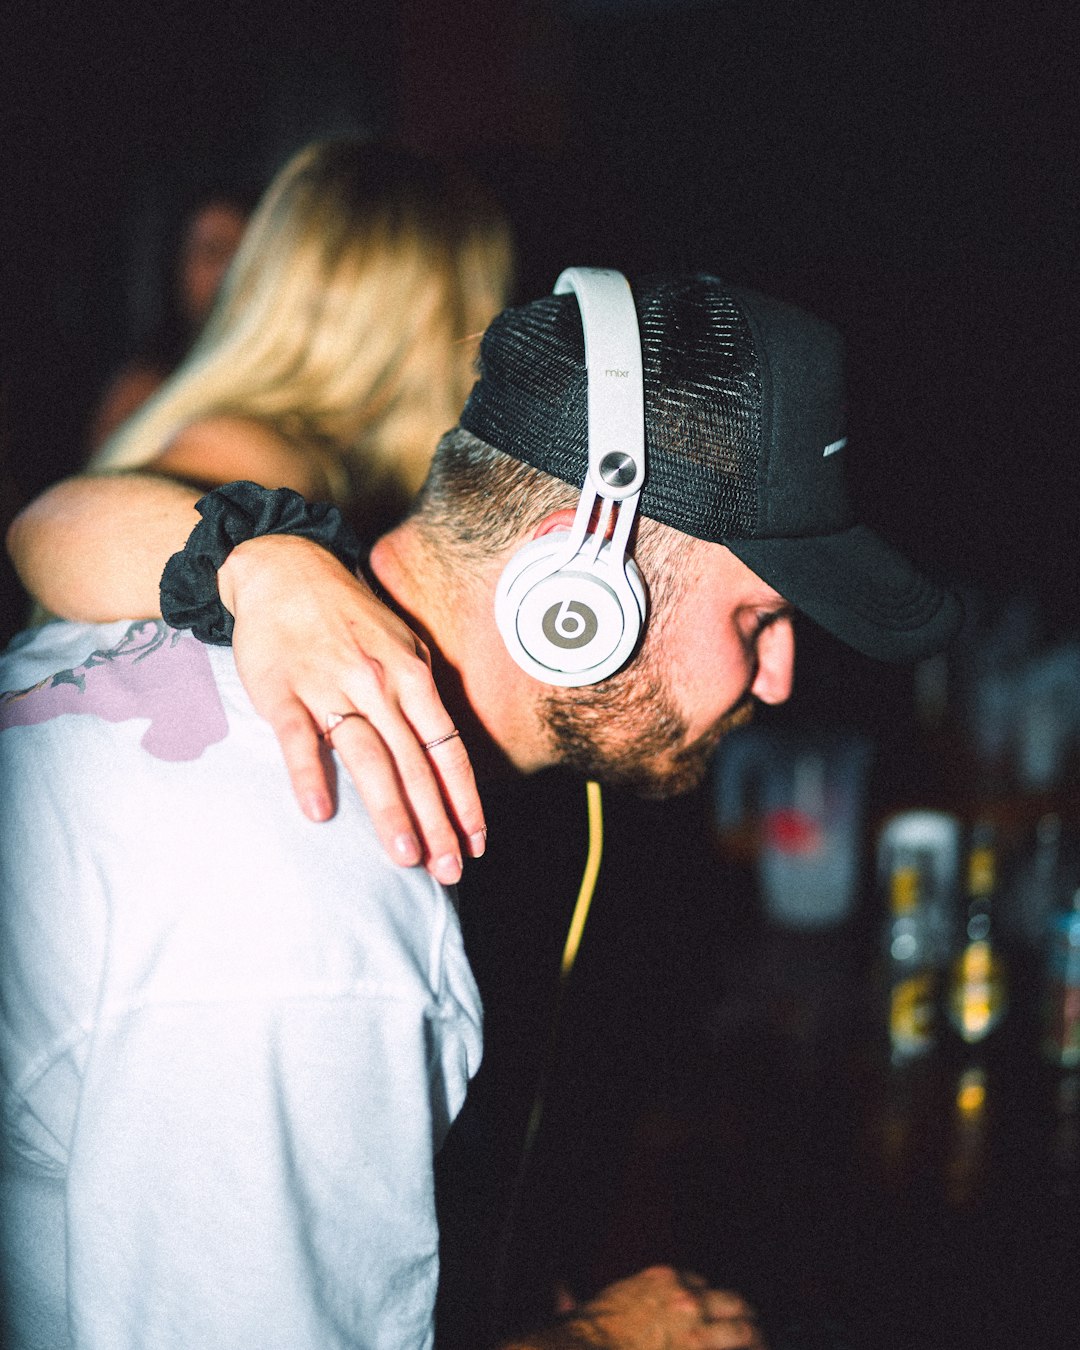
{"points": [[310, 641]]}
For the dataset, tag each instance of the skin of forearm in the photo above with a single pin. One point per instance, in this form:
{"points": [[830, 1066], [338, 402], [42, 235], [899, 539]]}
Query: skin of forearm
{"points": [[93, 548]]}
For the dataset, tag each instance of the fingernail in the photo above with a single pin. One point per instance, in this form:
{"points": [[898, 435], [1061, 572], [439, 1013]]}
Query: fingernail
{"points": [[447, 869], [407, 849], [316, 806], [477, 843]]}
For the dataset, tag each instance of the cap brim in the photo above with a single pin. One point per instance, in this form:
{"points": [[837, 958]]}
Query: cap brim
{"points": [[860, 589]]}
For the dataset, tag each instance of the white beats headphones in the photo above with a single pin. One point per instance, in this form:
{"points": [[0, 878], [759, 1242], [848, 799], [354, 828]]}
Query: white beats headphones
{"points": [[570, 606]]}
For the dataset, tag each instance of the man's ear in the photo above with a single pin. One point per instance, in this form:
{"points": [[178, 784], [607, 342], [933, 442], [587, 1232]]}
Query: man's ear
{"points": [[557, 520], [564, 520]]}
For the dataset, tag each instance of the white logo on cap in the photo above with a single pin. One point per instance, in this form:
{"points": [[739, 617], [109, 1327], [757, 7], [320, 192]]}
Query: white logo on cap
{"points": [[833, 446]]}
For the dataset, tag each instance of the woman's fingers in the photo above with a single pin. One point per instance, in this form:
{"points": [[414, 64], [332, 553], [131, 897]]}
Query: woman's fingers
{"points": [[361, 750], [454, 771], [425, 726], [312, 641], [304, 760], [409, 792], [402, 795], [432, 763], [364, 755]]}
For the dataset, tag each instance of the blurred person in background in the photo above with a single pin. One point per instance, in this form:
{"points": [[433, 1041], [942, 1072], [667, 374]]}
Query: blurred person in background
{"points": [[195, 262], [342, 340]]}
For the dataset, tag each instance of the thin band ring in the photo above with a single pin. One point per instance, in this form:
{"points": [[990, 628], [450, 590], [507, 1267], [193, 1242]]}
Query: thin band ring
{"points": [[333, 721], [441, 740]]}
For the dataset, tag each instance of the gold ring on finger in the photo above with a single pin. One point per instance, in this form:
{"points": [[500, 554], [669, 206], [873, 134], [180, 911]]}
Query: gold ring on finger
{"points": [[333, 721], [441, 740]]}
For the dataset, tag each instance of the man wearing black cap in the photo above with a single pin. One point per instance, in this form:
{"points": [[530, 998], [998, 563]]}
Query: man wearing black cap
{"points": [[745, 440], [247, 1033]]}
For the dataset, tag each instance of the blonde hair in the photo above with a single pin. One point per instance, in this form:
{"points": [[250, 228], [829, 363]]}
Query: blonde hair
{"points": [[349, 317]]}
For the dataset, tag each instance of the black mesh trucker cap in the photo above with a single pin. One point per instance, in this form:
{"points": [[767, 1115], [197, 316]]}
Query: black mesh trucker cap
{"points": [[745, 446]]}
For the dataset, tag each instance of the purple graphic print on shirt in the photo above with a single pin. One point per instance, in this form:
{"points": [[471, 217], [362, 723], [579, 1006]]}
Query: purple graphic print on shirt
{"points": [[155, 672]]}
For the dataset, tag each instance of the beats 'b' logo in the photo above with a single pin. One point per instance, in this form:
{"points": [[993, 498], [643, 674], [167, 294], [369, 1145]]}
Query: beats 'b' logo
{"points": [[570, 624]]}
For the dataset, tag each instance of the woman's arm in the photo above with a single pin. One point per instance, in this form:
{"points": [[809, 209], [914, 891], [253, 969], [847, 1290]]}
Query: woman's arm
{"points": [[90, 548], [93, 548], [225, 448], [310, 638]]}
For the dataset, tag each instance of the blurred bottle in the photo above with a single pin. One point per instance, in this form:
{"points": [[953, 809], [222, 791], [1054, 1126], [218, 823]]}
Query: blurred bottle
{"points": [[1047, 718], [1040, 885], [935, 837], [916, 870], [911, 964], [1061, 992], [917, 862], [1060, 1043], [807, 792], [966, 1163], [976, 1003], [978, 995]]}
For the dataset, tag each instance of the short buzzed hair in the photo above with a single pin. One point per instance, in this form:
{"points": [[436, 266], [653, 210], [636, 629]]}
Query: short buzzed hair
{"points": [[477, 502]]}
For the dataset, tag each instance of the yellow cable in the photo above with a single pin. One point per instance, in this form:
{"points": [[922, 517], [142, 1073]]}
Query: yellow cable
{"points": [[586, 891], [588, 881]]}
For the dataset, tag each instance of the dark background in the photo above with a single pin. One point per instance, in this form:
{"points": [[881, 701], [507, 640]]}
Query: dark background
{"points": [[907, 170]]}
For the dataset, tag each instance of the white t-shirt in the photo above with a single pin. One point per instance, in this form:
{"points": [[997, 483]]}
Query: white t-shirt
{"points": [[231, 1040]]}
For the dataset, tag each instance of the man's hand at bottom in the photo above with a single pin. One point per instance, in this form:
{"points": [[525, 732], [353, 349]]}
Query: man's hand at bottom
{"points": [[657, 1309]]}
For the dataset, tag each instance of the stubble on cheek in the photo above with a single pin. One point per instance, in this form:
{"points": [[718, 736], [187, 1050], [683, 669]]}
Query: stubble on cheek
{"points": [[690, 764], [631, 736]]}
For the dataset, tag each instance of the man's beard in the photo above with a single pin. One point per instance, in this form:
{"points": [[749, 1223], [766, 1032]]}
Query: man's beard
{"points": [[627, 732]]}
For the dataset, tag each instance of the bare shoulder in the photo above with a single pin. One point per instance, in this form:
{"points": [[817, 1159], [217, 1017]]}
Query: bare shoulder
{"points": [[225, 447]]}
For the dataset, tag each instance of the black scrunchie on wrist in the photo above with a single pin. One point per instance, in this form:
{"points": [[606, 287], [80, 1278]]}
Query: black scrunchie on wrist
{"points": [[231, 514]]}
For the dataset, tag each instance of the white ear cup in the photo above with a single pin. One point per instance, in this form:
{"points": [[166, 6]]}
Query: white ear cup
{"points": [[570, 621], [570, 607]]}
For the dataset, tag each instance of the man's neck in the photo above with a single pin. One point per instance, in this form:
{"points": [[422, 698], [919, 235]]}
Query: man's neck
{"points": [[493, 703]]}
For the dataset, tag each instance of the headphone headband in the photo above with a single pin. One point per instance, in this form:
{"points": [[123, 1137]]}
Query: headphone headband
{"points": [[570, 606], [616, 390]]}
